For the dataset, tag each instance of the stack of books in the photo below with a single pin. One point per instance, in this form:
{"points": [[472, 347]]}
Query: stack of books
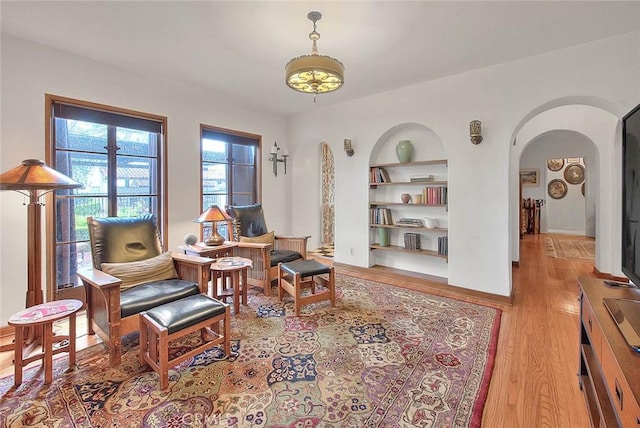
{"points": [[379, 175], [443, 245], [410, 222], [412, 241], [381, 216], [421, 178]]}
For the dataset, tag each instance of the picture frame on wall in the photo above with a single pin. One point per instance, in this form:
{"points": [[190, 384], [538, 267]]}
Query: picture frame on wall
{"points": [[530, 176]]}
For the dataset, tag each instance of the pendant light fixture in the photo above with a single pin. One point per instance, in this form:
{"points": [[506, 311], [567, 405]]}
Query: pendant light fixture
{"points": [[314, 74]]}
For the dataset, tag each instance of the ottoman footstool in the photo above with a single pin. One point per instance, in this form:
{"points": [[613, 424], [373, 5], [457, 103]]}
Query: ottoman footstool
{"points": [[162, 324], [294, 276]]}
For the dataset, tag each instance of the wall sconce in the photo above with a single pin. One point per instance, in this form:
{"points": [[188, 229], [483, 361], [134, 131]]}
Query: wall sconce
{"points": [[275, 159], [348, 148], [475, 131]]}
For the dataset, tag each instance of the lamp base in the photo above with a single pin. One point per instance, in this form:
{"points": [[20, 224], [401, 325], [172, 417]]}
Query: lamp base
{"points": [[214, 240]]}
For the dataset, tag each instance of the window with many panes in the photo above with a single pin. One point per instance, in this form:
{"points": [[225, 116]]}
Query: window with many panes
{"points": [[119, 157], [229, 174]]}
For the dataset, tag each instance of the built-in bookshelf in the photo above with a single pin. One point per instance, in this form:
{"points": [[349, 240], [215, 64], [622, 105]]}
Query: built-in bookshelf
{"points": [[403, 218]]}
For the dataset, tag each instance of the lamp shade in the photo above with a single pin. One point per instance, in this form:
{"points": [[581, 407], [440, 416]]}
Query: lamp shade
{"points": [[213, 213], [33, 174]]}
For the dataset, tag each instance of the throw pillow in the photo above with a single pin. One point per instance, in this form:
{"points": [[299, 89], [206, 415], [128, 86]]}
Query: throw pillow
{"points": [[136, 273], [267, 238]]}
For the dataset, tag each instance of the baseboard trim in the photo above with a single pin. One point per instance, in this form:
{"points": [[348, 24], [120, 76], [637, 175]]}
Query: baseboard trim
{"points": [[422, 282], [604, 275]]}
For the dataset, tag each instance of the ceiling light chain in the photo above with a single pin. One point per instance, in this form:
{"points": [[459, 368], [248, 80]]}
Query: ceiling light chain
{"points": [[314, 73]]}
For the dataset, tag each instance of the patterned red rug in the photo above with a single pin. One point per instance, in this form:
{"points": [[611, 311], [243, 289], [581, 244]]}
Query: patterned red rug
{"points": [[384, 356]]}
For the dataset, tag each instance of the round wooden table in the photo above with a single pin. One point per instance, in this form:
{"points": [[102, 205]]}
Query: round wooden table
{"points": [[39, 320], [235, 270]]}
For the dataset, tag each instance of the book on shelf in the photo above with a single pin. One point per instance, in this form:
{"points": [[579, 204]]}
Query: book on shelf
{"points": [[381, 216], [421, 178], [379, 175], [410, 222], [435, 195], [443, 245], [412, 241]]}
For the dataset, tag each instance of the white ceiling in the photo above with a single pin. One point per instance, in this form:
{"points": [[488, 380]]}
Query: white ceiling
{"points": [[240, 48]]}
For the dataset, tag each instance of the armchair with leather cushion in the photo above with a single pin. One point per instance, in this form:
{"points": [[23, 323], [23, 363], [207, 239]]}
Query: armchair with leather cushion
{"points": [[263, 247], [132, 274]]}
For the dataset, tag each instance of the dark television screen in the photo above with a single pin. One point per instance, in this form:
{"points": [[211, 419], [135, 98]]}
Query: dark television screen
{"points": [[631, 195]]}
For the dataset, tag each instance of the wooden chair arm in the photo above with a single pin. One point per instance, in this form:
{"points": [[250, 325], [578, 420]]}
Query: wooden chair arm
{"points": [[254, 245], [190, 259], [98, 279]]}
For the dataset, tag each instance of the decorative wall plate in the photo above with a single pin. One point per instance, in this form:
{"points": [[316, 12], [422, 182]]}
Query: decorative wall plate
{"points": [[555, 164], [574, 173], [557, 188]]}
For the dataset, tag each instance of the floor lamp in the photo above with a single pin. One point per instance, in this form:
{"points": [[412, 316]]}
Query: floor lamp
{"points": [[34, 179]]}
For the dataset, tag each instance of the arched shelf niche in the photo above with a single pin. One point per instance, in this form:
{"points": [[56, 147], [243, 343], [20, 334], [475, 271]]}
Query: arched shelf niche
{"points": [[392, 243]]}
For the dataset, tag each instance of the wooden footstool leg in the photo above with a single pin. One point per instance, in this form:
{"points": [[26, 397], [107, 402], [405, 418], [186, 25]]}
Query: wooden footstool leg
{"points": [[298, 289], [163, 349], [72, 341], [48, 352]]}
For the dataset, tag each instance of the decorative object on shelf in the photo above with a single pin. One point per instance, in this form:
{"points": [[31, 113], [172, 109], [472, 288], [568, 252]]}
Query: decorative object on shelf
{"points": [[34, 179], [348, 148], [530, 177], [383, 236], [582, 188], [555, 164], [273, 157], [557, 188], [475, 131], [404, 151], [416, 198], [213, 215], [190, 239], [314, 73], [430, 223], [574, 173], [405, 198]]}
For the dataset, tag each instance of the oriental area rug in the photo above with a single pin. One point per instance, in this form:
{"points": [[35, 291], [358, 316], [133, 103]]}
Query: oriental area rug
{"points": [[383, 357], [567, 248]]}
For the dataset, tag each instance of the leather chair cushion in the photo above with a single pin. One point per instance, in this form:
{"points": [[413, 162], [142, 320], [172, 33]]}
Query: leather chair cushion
{"points": [[250, 219], [123, 239], [284, 256], [152, 294], [183, 313], [136, 273], [306, 268]]}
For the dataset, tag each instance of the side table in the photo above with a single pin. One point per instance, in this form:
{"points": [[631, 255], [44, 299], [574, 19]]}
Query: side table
{"points": [[235, 269], [214, 252], [42, 316]]}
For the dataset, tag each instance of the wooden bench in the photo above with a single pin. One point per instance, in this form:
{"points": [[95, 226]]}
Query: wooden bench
{"points": [[162, 324]]}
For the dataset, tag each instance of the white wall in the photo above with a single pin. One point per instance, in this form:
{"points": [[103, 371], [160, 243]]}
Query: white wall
{"points": [[480, 177], [30, 70]]}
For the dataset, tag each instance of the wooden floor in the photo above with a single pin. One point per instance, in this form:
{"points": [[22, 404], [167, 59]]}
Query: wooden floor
{"points": [[534, 381]]}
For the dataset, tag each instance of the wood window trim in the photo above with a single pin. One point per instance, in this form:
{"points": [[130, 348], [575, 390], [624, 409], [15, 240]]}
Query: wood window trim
{"points": [[50, 240]]}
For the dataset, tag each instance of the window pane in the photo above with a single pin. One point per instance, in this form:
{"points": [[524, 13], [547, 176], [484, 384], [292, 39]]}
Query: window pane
{"points": [[70, 258], [243, 154], [243, 179], [214, 150], [132, 206], [78, 135], [219, 200], [214, 178], [89, 169], [134, 142], [136, 175], [72, 216]]}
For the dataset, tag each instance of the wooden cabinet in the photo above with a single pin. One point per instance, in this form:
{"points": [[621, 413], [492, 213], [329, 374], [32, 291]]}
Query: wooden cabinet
{"points": [[425, 182], [609, 370]]}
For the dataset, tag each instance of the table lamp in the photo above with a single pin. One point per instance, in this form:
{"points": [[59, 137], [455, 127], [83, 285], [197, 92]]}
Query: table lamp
{"points": [[213, 215]]}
